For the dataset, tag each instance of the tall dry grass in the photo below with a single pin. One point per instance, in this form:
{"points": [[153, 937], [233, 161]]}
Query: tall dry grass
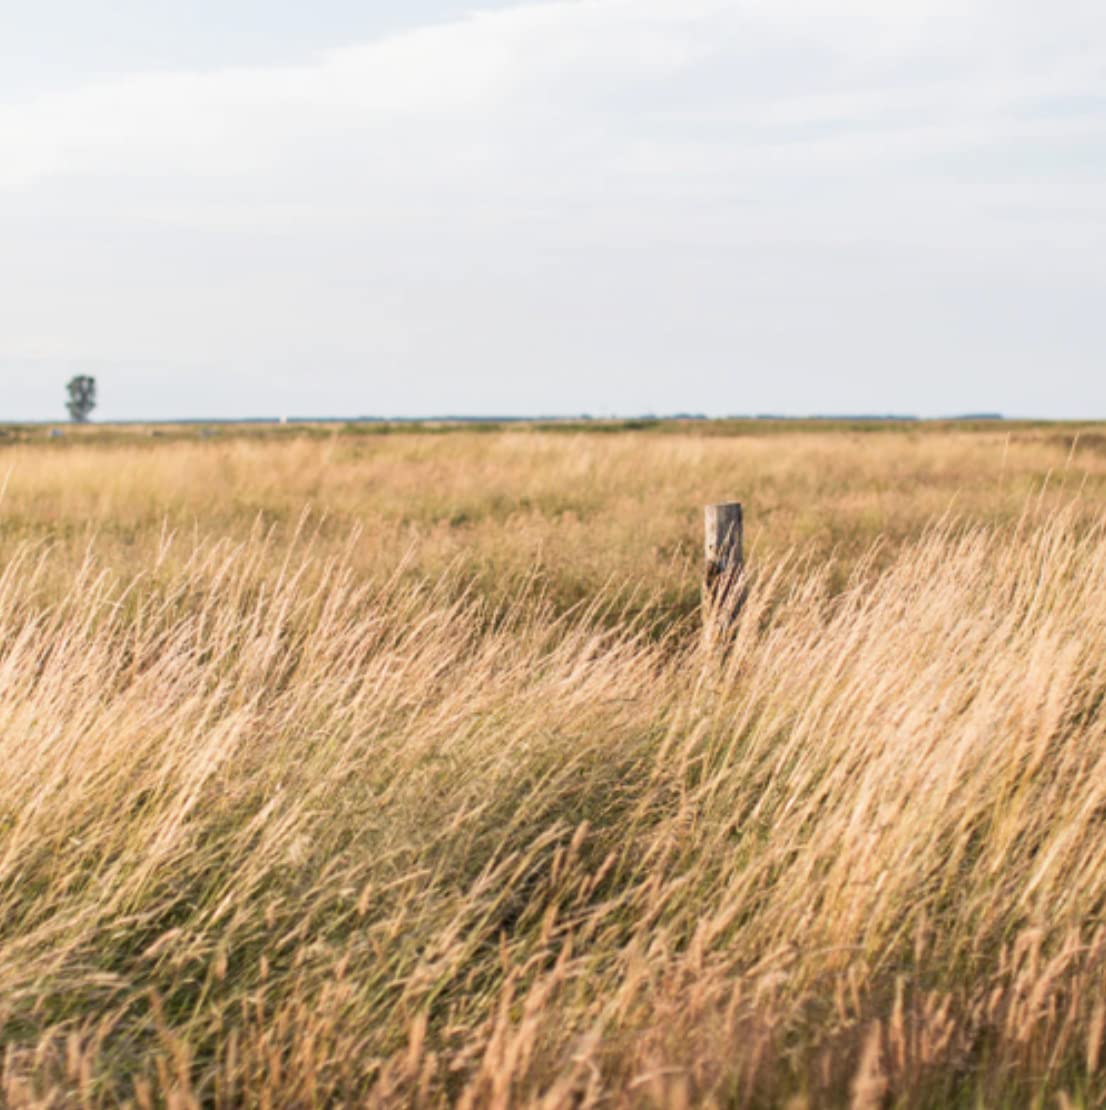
{"points": [[433, 793], [581, 513], [280, 829]]}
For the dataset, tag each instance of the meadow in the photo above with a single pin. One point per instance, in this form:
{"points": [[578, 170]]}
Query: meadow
{"points": [[391, 768]]}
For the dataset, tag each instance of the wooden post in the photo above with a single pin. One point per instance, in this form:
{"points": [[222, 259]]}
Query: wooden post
{"points": [[723, 592]]}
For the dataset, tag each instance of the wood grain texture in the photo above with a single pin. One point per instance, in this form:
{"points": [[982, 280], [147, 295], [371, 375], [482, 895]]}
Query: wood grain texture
{"points": [[724, 543]]}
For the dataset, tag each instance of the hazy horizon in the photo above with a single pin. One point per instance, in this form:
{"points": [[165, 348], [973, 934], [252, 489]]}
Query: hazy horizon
{"points": [[601, 206], [558, 417]]}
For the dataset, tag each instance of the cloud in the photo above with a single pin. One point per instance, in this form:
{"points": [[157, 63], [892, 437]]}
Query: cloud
{"points": [[757, 72], [661, 156], [466, 73]]}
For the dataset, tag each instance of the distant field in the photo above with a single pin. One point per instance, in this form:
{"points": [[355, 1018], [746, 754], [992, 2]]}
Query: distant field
{"points": [[387, 766], [583, 513]]}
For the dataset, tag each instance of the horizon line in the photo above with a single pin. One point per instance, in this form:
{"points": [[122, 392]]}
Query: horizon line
{"points": [[651, 418]]}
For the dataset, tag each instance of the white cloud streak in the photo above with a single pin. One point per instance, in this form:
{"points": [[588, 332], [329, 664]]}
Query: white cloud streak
{"points": [[871, 72]]}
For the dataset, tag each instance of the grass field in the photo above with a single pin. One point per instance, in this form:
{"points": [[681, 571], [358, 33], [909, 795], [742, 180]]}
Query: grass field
{"points": [[393, 769]]}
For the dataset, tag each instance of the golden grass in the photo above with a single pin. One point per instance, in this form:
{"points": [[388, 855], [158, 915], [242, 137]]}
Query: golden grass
{"points": [[381, 806], [581, 513]]}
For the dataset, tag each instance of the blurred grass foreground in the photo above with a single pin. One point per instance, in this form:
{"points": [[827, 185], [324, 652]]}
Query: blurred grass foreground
{"points": [[393, 770]]}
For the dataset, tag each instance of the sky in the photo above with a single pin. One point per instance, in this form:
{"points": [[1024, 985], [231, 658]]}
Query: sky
{"points": [[232, 208]]}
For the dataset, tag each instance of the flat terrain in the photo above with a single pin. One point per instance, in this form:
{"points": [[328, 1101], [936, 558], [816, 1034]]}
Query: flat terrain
{"points": [[390, 767]]}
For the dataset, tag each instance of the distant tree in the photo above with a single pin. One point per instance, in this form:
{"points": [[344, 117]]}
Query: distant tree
{"points": [[82, 398]]}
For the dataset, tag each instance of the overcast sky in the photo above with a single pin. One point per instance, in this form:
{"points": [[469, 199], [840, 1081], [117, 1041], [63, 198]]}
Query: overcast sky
{"points": [[246, 207]]}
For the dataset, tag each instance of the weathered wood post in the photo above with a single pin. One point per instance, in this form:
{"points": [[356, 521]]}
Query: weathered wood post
{"points": [[723, 588]]}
